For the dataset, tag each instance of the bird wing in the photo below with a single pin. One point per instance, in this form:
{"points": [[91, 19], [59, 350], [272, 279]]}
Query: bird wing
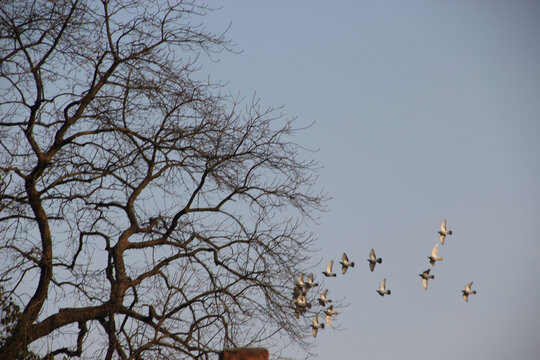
{"points": [[316, 320], [329, 319], [443, 226], [371, 266], [314, 331], [466, 297], [301, 278], [345, 258], [310, 278], [427, 271], [372, 256], [468, 287], [424, 283], [329, 266], [344, 269], [435, 251], [382, 285]]}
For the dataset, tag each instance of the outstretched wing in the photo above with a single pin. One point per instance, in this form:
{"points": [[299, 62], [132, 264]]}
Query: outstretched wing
{"points": [[372, 256], [435, 251], [371, 266], [443, 226], [345, 258], [382, 285], [329, 266], [424, 283], [468, 287]]}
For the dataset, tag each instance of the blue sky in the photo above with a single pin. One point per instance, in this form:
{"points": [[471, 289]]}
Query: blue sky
{"points": [[422, 110]]}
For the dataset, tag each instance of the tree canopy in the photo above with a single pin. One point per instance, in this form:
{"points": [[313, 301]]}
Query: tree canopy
{"points": [[144, 212]]}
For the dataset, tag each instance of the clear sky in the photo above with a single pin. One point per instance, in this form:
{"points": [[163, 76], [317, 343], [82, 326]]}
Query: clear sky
{"points": [[422, 110]]}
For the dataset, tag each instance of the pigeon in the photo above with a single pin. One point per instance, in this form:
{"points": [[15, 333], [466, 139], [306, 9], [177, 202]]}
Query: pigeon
{"points": [[328, 271], [345, 263], [468, 291], [299, 299], [316, 326], [301, 281], [323, 300], [310, 282], [373, 260], [434, 257], [329, 312], [382, 288], [444, 232], [425, 276]]}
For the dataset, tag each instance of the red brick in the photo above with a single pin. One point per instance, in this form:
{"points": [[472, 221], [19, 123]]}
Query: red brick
{"points": [[244, 354]]}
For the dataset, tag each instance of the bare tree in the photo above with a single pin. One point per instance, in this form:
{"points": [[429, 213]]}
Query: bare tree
{"points": [[143, 213]]}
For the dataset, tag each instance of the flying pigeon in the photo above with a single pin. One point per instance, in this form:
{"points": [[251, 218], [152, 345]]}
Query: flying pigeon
{"points": [[316, 326], [425, 276], [468, 291], [329, 312], [373, 260], [328, 271], [382, 288], [434, 257], [345, 263], [444, 232], [323, 300], [310, 282]]}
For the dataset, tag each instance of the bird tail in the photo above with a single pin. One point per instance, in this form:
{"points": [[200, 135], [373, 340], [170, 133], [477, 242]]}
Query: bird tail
{"points": [[388, 292], [449, 232], [352, 264], [473, 292], [322, 326], [379, 260], [431, 276], [441, 259]]}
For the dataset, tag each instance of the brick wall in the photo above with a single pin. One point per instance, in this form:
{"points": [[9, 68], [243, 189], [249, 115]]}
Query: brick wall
{"points": [[244, 354]]}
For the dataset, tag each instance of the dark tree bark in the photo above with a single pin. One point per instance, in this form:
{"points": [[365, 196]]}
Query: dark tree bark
{"points": [[143, 213]]}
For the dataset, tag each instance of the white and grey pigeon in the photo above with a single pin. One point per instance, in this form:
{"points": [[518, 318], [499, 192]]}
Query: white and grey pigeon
{"points": [[443, 232], [322, 298], [328, 271], [315, 326], [425, 277], [382, 288], [373, 260], [345, 263], [329, 312], [301, 281], [434, 257], [300, 300], [468, 291], [310, 282]]}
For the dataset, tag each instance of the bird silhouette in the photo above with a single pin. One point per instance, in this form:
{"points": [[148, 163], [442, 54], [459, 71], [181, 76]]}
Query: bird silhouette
{"points": [[328, 271], [373, 260], [315, 326], [322, 298], [468, 291], [382, 288], [425, 277], [434, 257], [329, 312], [345, 263], [443, 232]]}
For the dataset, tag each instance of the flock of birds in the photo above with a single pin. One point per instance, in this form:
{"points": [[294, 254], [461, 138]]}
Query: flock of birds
{"points": [[302, 286]]}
